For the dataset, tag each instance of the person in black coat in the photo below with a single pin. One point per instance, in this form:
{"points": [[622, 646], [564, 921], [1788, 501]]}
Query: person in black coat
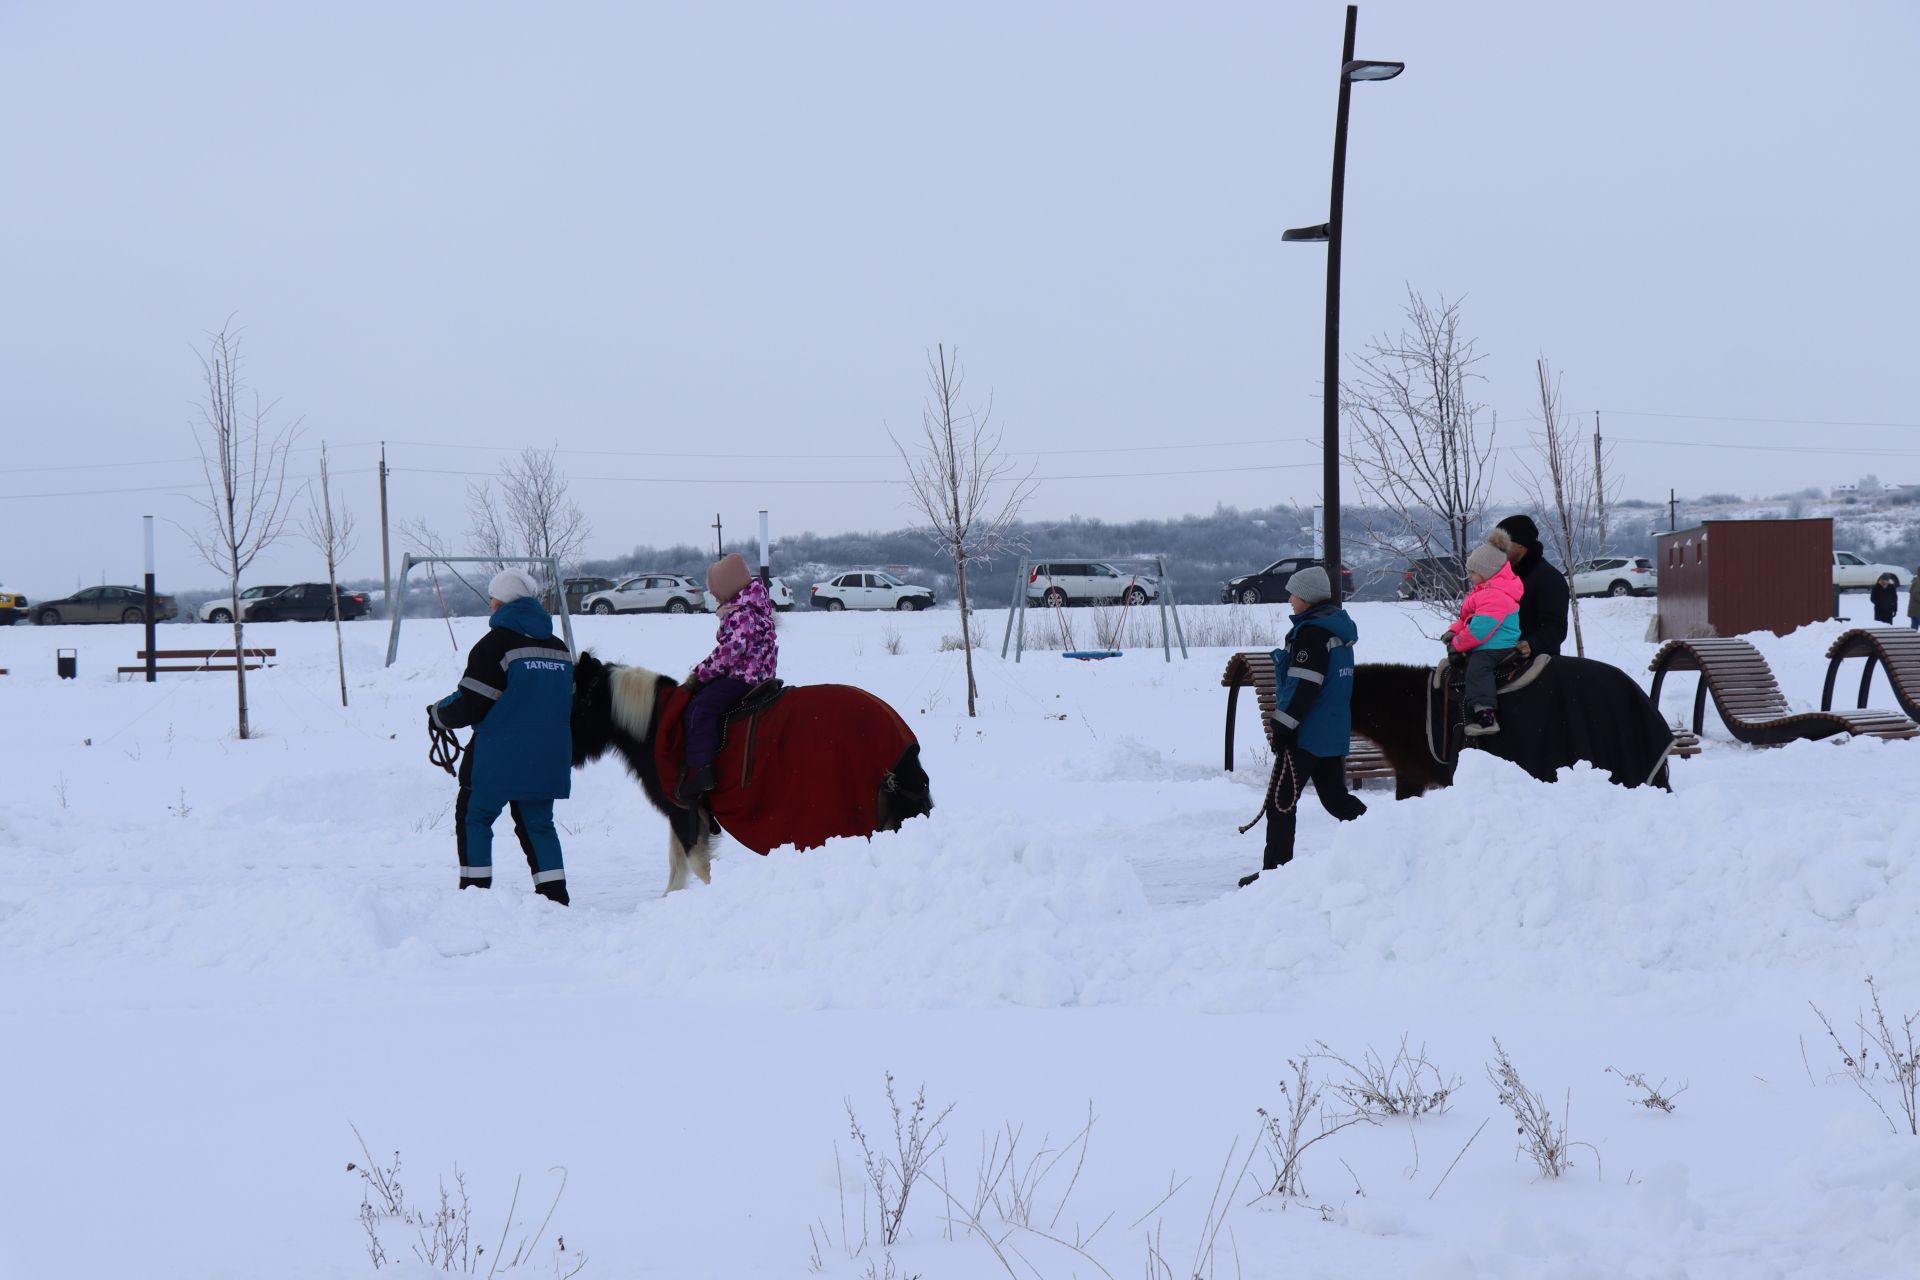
{"points": [[1544, 606], [1886, 598]]}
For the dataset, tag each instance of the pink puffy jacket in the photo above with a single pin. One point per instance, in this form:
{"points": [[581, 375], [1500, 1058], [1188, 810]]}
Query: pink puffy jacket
{"points": [[747, 647], [1490, 615]]}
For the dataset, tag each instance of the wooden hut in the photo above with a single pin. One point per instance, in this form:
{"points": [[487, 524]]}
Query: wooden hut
{"points": [[1730, 577]]}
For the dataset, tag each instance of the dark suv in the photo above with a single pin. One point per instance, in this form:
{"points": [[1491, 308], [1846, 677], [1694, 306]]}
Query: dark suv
{"points": [[308, 602], [1433, 578], [1269, 586]]}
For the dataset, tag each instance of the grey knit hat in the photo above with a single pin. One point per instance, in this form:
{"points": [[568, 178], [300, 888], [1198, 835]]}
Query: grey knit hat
{"points": [[1488, 558], [1311, 585]]}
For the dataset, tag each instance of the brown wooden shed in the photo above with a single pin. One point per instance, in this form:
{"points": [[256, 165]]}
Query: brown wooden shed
{"points": [[1729, 577]]}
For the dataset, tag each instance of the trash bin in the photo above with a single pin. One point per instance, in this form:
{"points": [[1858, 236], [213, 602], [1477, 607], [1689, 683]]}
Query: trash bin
{"points": [[67, 662]]}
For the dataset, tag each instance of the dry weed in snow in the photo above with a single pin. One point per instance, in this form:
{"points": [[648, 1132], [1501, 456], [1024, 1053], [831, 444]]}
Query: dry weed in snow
{"points": [[1542, 1138], [1288, 1137], [1654, 1097], [1881, 1048], [1407, 1085], [442, 1237]]}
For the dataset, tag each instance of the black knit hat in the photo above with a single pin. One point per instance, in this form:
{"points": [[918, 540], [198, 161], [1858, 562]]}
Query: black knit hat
{"points": [[1522, 530]]}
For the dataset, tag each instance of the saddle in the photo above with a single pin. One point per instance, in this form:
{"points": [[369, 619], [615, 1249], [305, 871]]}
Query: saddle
{"points": [[1446, 705]]}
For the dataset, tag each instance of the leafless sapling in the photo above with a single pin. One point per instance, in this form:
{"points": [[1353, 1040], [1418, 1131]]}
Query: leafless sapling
{"points": [[1563, 480], [329, 528], [244, 461], [1417, 443], [967, 493]]}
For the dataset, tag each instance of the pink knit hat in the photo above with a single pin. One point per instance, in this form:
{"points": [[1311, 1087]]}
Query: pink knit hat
{"points": [[728, 579]]}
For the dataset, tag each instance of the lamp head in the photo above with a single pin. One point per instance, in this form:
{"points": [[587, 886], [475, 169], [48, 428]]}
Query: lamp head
{"points": [[1361, 69]]}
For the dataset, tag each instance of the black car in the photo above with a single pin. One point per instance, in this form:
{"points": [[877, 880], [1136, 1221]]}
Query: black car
{"points": [[578, 589], [308, 602], [1433, 578], [1269, 586]]}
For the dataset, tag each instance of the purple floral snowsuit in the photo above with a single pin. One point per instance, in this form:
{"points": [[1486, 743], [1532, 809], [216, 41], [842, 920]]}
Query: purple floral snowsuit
{"points": [[746, 653]]}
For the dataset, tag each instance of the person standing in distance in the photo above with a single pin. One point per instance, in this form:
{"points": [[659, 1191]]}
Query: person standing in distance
{"points": [[517, 693], [1312, 715], [1544, 607]]}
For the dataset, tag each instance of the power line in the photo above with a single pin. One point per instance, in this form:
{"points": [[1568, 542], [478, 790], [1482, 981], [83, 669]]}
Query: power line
{"points": [[1785, 422], [183, 489], [845, 457], [1824, 450], [679, 480]]}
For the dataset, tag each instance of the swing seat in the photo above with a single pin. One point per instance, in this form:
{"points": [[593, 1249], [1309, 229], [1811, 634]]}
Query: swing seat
{"points": [[1091, 655]]}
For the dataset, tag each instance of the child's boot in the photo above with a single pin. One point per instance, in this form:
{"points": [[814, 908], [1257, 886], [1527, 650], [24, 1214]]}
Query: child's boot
{"points": [[1482, 723]]}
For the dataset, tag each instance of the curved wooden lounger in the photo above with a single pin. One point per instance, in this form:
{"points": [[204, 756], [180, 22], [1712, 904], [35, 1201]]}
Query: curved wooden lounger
{"points": [[1364, 761], [1895, 648], [1749, 700]]}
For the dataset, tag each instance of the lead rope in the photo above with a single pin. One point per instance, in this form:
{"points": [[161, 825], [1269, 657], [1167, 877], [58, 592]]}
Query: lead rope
{"points": [[1282, 770], [443, 749]]}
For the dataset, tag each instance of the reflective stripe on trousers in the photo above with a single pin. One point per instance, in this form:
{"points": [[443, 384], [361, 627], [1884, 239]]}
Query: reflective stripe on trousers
{"points": [[532, 823]]}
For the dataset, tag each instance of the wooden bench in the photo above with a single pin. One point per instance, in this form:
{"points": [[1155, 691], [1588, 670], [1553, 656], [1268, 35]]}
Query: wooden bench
{"points": [[1749, 700], [181, 660], [1895, 648]]}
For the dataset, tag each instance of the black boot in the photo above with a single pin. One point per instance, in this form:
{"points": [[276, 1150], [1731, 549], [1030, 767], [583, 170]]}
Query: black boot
{"points": [[696, 783], [1247, 880], [553, 891]]}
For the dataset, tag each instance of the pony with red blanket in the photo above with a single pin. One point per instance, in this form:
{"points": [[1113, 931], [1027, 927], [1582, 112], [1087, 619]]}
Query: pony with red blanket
{"points": [[797, 765]]}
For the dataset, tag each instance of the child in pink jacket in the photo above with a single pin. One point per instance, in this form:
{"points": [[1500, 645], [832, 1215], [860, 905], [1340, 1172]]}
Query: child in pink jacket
{"points": [[745, 653], [1488, 626]]}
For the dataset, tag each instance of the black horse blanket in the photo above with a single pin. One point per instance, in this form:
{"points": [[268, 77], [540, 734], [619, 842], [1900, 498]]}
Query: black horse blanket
{"points": [[1577, 709]]}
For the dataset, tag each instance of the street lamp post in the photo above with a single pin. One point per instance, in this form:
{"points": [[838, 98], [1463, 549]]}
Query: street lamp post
{"points": [[1328, 233]]}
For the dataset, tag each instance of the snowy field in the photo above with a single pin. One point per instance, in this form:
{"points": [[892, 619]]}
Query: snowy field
{"points": [[218, 955]]}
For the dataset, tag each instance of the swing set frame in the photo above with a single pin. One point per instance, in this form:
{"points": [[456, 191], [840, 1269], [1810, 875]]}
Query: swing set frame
{"points": [[409, 560], [1170, 632]]}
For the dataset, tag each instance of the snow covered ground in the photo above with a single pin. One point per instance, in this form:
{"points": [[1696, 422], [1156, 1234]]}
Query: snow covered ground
{"points": [[218, 954]]}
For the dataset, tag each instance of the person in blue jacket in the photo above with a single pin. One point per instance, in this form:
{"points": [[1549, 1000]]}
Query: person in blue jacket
{"points": [[517, 694], [1312, 715]]}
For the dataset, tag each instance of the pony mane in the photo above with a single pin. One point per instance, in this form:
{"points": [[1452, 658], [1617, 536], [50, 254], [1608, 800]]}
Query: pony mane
{"points": [[635, 694]]}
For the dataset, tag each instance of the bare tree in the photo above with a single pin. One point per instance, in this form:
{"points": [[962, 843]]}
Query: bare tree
{"points": [[1564, 484], [330, 530], [245, 465], [1415, 438], [531, 516], [429, 541], [962, 486]]}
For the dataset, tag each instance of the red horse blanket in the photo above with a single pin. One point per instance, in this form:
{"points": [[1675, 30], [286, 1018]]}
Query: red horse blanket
{"points": [[800, 771]]}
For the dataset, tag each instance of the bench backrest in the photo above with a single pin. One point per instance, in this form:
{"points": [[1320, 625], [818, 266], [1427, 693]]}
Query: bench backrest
{"points": [[168, 655]]}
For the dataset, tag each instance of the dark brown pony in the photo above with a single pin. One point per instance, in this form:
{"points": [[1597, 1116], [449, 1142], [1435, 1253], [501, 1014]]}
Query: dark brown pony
{"points": [[1577, 710]]}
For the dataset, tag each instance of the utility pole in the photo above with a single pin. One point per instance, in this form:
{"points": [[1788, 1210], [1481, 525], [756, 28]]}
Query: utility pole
{"points": [[1599, 482], [1673, 509], [719, 544], [386, 564]]}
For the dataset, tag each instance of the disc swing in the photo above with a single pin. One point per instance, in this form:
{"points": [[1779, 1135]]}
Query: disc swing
{"points": [[1111, 639]]}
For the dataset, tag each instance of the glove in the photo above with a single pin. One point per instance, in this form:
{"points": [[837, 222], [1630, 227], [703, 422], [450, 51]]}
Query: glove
{"points": [[1283, 735]]}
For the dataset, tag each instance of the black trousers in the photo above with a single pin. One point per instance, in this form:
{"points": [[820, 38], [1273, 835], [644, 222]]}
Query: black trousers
{"points": [[1328, 774]]}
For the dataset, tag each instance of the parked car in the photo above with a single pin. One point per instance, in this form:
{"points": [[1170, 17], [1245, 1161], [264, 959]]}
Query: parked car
{"points": [[220, 608], [1269, 586], [1854, 573], [1068, 582], [13, 607], [1433, 578], [307, 602], [577, 590], [649, 593], [1615, 576], [103, 604], [868, 589]]}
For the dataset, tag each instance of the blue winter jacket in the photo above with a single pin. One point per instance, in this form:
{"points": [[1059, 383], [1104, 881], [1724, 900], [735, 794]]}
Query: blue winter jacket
{"points": [[517, 692], [1313, 698]]}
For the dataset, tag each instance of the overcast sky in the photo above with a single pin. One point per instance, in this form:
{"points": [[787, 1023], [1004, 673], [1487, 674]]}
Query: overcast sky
{"points": [[733, 231]]}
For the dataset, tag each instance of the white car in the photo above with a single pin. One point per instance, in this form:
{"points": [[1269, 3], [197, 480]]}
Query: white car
{"points": [[220, 608], [1852, 573], [777, 591], [1615, 576], [649, 593], [1065, 582], [869, 589]]}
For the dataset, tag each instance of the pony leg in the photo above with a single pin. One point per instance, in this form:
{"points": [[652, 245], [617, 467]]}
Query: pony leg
{"points": [[676, 863], [700, 857]]}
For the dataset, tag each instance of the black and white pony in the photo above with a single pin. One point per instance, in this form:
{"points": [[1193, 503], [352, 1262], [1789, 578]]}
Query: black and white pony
{"points": [[616, 708]]}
